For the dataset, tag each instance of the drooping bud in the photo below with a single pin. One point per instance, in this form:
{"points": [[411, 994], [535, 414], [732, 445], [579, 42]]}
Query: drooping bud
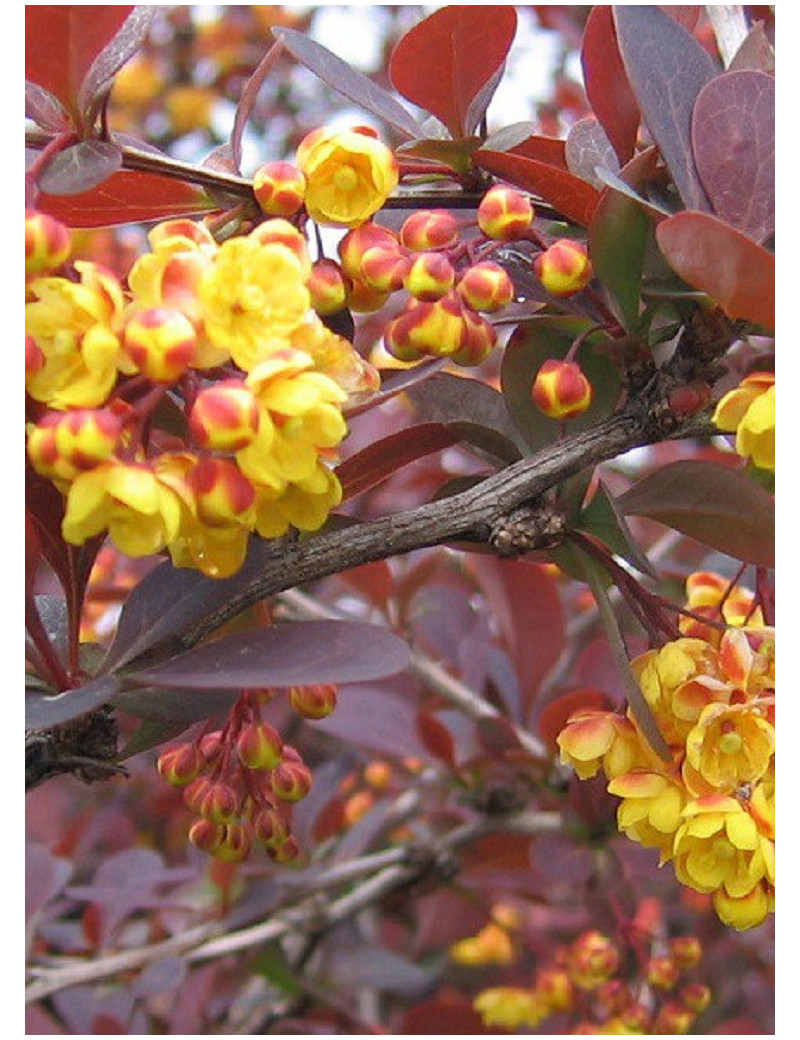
{"points": [[161, 343], [287, 852], [206, 836], [235, 842], [427, 327], [429, 229], [663, 972], [504, 213], [291, 779], [696, 996], [564, 268], [64, 444], [223, 494], [384, 268], [687, 950], [328, 287], [430, 276], [279, 188], [270, 827], [225, 416], [479, 341], [561, 390], [356, 243], [486, 286], [361, 299], [259, 746], [214, 800], [593, 958], [180, 765], [211, 746], [313, 702], [673, 1019], [47, 243]]}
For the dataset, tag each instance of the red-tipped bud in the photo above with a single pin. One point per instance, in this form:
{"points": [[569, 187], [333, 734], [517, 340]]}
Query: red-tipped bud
{"points": [[436, 327], [313, 702], [561, 390], [47, 243], [504, 213], [224, 417], [278, 231], [279, 188], [695, 996], [285, 853], [564, 268], [180, 765], [211, 746], [593, 958], [356, 242], [555, 989], [259, 746], [214, 800], [429, 229], [222, 493], [161, 343], [479, 341], [486, 286], [384, 268], [673, 1019], [290, 780], [270, 827], [662, 972], [430, 276], [63, 444], [614, 995], [235, 842], [686, 950], [206, 836], [327, 285]]}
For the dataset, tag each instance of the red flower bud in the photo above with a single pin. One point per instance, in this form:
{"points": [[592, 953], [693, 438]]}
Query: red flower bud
{"points": [[561, 390], [161, 343], [259, 746], [429, 276], [270, 827], [429, 229], [47, 243], [180, 765], [327, 285], [564, 268], [291, 780], [505, 213], [313, 702], [486, 286], [223, 494], [279, 188], [224, 417]]}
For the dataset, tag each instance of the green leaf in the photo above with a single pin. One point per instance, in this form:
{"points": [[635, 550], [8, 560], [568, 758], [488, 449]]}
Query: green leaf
{"points": [[721, 507], [602, 519]]}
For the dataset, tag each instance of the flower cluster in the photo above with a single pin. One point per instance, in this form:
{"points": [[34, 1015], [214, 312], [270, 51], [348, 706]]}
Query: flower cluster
{"points": [[585, 979], [215, 341], [710, 810], [241, 780]]}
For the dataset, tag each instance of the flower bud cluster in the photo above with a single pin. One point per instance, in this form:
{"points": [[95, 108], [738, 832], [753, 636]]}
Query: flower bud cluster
{"points": [[228, 332], [710, 810], [587, 980], [241, 781]]}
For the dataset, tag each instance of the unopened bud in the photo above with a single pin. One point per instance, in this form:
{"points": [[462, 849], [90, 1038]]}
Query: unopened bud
{"points": [[290, 780], [279, 188], [564, 268], [384, 268], [223, 494], [486, 286], [429, 276], [47, 243], [662, 972], [561, 390], [259, 746], [313, 702], [224, 417], [327, 286], [180, 765], [504, 213], [161, 343], [356, 243], [429, 229], [270, 827]]}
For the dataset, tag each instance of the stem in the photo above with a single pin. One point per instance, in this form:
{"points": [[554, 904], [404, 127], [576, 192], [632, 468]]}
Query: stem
{"points": [[49, 660]]}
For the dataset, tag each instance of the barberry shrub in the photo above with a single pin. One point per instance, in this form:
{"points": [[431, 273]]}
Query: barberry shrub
{"points": [[400, 646]]}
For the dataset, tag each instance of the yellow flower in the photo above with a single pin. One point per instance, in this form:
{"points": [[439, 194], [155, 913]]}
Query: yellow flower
{"points": [[510, 1007], [730, 745], [491, 945], [714, 597], [749, 410], [254, 297], [76, 327], [349, 175], [140, 512], [304, 504], [650, 811], [592, 740]]}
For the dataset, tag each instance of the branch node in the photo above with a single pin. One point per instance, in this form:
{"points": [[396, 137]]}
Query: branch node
{"points": [[530, 527]]}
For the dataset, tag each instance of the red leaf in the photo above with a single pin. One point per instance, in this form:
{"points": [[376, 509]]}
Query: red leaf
{"points": [[733, 136], [549, 150], [574, 198], [606, 81], [62, 42], [127, 197], [711, 256], [436, 737], [444, 62], [449, 1014]]}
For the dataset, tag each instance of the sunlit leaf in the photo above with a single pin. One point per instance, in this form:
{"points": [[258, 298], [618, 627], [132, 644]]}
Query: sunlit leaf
{"points": [[80, 167], [123, 45], [445, 61]]}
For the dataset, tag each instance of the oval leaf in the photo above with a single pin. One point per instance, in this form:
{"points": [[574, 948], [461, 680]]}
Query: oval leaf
{"points": [[44, 109], [127, 197], [445, 61], [714, 504], [81, 167], [123, 45], [588, 148], [711, 256], [349, 82], [733, 136], [42, 712], [573, 197], [295, 654], [667, 68], [606, 81]]}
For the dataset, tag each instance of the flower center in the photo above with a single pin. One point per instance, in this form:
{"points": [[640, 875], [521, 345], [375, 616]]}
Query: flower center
{"points": [[345, 178], [730, 743]]}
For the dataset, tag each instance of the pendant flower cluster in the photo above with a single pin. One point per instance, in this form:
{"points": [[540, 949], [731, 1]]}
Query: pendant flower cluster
{"points": [[710, 811], [216, 342]]}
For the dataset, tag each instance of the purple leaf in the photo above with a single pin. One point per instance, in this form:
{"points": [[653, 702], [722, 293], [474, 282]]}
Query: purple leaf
{"points": [[124, 44], [80, 167], [733, 135], [44, 711], [45, 876], [588, 147], [295, 654], [248, 99], [719, 506], [45, 109], [667, 68], [352, 84]]}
